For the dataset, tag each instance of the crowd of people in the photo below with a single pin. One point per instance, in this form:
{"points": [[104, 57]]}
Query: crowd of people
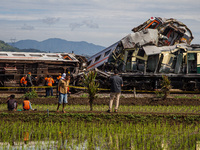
{"points": [[63, 90]]}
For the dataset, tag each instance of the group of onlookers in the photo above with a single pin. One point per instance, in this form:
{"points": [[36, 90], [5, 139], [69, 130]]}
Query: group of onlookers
{"points": [[12, 103], [62, 90]]}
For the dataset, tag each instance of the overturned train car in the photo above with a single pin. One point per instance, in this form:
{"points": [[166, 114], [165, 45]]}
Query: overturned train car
{"points": [[13, 65], [157, 47]]}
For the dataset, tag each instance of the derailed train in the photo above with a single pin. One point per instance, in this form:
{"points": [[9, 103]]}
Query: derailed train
{"points": [[157, 47], [13, 65]]}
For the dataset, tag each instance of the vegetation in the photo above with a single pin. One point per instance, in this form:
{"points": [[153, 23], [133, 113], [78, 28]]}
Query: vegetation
{"points": [[30, 95], [74, 134], [6, 47], [91, 85], [165, 86]]}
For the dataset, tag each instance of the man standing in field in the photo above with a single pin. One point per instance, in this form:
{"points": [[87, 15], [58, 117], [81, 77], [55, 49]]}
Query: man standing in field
{"points": [[115, 90], [63, 86]]}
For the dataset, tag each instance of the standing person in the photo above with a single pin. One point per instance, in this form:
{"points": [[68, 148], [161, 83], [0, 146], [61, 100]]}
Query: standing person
{"points": [[12, 103], [115, 90], [23, 83], [27, 104], [49, 82], [57, 80], [29, 81], [63, 85]]}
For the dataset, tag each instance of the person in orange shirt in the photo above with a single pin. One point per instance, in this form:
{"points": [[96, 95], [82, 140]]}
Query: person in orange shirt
{"points": [[23, 83], [27, 104], [49, 82]]}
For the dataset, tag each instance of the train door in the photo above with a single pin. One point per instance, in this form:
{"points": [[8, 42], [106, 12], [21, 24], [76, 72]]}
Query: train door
{"points": [[167, 63], [178, 65], [192, 63]]}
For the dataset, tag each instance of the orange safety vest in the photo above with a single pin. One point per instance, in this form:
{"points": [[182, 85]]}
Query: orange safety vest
{"points": [[26, 104], [23, 81], [49, 81]]}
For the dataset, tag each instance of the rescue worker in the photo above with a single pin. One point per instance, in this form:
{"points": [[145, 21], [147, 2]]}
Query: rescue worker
{"points": [[57, 80], [23, 83], [29, 81], [27, 104], [49, 82]]}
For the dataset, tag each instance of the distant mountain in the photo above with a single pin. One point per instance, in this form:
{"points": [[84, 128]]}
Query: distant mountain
{"points": [[59, 45]]}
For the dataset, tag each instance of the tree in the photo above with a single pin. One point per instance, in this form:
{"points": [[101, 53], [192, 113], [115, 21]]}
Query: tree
{"points": [[165, 86], [91, 86]]}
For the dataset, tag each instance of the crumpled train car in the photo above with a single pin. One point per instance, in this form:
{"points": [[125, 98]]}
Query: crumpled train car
{"points": [[13, 65], [155, 48]]}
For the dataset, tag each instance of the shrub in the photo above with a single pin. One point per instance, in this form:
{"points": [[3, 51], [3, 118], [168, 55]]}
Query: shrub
{"points": [[32, 94]]}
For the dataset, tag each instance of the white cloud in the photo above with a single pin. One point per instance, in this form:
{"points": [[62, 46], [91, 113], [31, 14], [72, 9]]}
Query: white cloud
{"points": [[27, 27], [95, 21]]}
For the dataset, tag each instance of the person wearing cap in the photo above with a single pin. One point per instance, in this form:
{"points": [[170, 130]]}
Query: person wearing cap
{"points": [[12, 103], [23, 82], [63, 86], [29, 81], [115, 90], [49, 82]]}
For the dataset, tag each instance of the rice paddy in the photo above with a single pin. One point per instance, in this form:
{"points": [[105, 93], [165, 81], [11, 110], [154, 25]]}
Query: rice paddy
{"points": [[86, 135], [125, 130]]}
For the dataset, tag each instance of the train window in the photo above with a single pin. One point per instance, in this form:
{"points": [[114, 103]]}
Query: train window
{"points": [[89, 62], [141, 53], [67, 57], [52, 56], [3, 54], [153, 25], [97, 58], [19, 55], [106, 53], [35, 55]]}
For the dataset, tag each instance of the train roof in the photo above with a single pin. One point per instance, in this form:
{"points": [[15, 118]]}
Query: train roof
{"points": [[38, 56]]}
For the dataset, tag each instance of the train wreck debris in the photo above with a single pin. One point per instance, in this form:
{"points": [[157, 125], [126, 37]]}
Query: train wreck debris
{"points": [[158, 46], [13, 65]]}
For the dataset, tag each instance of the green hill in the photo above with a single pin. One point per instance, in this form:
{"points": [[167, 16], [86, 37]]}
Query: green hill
{"points": [[8, 48]]}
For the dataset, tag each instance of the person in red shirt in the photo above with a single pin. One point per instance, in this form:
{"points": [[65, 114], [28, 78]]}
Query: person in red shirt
{"points": [[49, 82]]}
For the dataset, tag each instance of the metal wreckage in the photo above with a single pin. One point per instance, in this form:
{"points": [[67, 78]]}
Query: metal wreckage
{"points": [[157, 47]]}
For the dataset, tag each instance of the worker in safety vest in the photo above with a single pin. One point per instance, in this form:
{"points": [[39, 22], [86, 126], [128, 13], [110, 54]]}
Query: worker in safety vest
{"points": [[27, 104], [23, 83], [49, 82]]}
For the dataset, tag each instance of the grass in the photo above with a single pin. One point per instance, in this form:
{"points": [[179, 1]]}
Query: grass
{"points": [[122, 108]]}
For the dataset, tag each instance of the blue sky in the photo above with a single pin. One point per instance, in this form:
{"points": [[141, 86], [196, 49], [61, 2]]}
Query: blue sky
{"points": [[101, 22]]}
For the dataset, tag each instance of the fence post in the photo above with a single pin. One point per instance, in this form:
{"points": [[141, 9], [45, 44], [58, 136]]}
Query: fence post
{"points": [[134, 92]]}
